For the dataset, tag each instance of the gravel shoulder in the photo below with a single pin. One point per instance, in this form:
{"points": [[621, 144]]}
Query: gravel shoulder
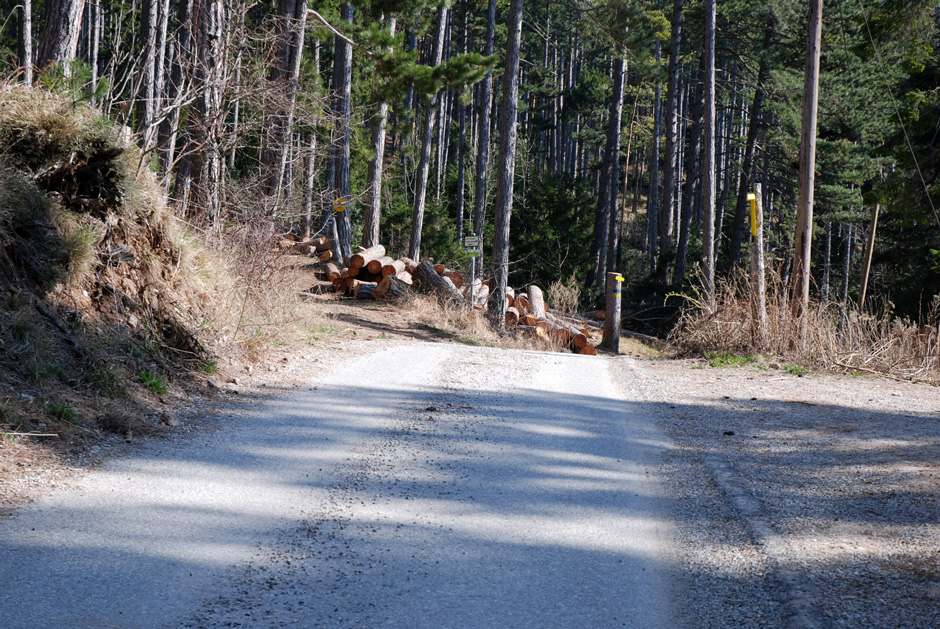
{"points": [[807, 501]]}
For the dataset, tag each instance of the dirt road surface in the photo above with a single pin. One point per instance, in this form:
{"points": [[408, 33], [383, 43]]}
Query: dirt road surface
{"points": [[418, 485]]}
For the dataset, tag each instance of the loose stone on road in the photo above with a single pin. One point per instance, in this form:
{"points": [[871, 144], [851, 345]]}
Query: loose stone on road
{"points": [[458, 487]]}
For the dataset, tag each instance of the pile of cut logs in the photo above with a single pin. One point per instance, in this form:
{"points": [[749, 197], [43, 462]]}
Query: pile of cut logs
{"points": [[370, 274]]}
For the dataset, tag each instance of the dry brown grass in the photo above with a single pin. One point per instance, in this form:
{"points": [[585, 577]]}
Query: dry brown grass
{"points": [[835, 338], [247, 288], [474, 328]]}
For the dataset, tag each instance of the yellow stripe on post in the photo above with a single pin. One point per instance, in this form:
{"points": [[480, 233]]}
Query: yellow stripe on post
{"points": [[752, 198]]}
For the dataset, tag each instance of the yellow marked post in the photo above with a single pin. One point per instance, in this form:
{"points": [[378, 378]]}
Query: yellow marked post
{"points": [[752, 199]]}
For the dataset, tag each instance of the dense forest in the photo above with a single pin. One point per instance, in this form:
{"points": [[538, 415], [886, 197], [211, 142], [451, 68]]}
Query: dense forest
{"points": [[616, 135]]}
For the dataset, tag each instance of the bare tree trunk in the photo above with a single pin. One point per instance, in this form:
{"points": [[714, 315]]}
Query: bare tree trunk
{"points": [[609, 178], [373, 204], [666, 214], [342, 81], [747, 167], [25, 39], [507, 159], [804, 207], [60, 37], [180, 55], [866, 261], [483, 141], [205, 120], [692, 172], [652, 201], [708, 179], [147, 92], [827, 264], [847, 243], [309, 184], [417, 223]]}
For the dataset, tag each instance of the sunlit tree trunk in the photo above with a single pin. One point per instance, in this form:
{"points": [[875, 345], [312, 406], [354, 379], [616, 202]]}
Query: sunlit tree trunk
{"points": [[506, 167]]}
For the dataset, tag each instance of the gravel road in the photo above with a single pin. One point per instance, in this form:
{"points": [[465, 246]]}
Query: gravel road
{"points": [[416, 486]]}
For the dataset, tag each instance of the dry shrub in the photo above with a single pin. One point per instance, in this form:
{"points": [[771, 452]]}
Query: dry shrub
{"points": [[835, 338], [248, 285], [564, 296]]}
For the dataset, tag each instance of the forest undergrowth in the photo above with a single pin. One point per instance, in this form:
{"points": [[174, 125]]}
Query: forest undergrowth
{"points": [[834, 336]]}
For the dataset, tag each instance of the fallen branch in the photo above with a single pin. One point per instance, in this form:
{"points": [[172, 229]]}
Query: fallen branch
{"points": [[28, 434]]}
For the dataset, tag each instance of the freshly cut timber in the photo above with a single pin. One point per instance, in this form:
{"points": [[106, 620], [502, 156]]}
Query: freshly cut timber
{"points": [[510, 296], [409, 265], [391, 287], [426, 280], [376, 266], [366, 256], [332, 271], [481, 295], [326, 256], [536, 301], [512, 317], [405, 277], [339, 284], [455, 277], [588, 350], [529, 320], [440, 268], [394, 267], [323, 243], [521, 303]]}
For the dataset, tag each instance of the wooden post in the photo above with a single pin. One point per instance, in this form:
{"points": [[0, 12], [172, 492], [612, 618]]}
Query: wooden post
{"points": [[866, 263], [611, 340], [758, 288]]}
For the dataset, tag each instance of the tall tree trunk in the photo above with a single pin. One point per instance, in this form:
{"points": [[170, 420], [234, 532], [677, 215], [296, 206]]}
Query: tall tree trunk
{"points": [[652, 201], [827, 263], [205, 121], [25, 39], [60, 37], [609, 178], [708, 178], [417, 222], [309, 184], [693, 166], [483, 140], [285, 75], [747, 167], [847, 243], [461, 167], [169, 128], [507, 159], [804, 206], [666, 214], [373, 204], [147, 92], [342, 85]]}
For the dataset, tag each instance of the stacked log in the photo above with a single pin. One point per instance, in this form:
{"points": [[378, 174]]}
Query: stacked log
{"points": [[364, 257], [395, 267], [391, 288], [372, 274], [376, 266], [427, 280]]}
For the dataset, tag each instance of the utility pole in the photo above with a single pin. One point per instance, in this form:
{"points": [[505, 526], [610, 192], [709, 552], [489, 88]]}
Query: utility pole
{"points": [[804, 207]]}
